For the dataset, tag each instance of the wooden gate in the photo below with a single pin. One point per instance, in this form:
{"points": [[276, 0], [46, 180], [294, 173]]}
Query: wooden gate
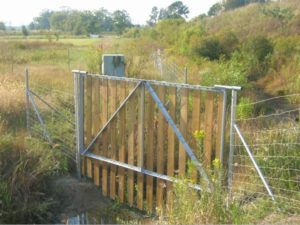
{"points": [[137, 137]]}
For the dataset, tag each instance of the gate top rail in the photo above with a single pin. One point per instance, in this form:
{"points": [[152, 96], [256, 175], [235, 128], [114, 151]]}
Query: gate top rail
{"points": [[155, 82]]}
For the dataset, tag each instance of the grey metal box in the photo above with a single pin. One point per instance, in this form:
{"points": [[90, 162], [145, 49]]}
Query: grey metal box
{"points": [[113, 65]]}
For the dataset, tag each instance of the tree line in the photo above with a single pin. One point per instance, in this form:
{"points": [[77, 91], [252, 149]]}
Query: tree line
{"points": [[95, 22], [82, 22], [98, 21]]}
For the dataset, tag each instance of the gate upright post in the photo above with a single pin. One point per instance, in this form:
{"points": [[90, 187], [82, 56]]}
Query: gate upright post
{"points": [[79, 112], [234, 90]]}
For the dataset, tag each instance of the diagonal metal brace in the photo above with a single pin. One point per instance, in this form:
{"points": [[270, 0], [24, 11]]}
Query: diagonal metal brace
{"points": [[261, 176], [51, 107], [37, 112], [187, 148], [110, 119]]}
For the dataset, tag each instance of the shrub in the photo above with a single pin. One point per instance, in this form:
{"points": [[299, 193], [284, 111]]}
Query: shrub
{"points": [[170, 31], [210, 48], [260, 47], [191, 37], [229, 42], [215, 9], [244, 108], [132, 33], [255, 56], [231, 72], [192, 207], [94, 60]]}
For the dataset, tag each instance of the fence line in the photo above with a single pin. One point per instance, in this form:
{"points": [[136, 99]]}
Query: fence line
{"points": [[169, 70], [270, 115], [270, 99], [48, 118], [275, 143]]}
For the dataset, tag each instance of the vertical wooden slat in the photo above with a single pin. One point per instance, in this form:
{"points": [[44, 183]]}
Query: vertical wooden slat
{"points": [[171, 146], [88, 121], [195, 127], [149, 150], [113, 139], [209, 104], [104, 116], [122, 135], [160, 150], [140, 153], [183, 129], [131, 120], [96, 125], [219, 126]]}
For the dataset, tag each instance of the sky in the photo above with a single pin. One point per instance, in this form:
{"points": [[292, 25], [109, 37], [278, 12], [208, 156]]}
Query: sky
{"points": [[21, 12]]}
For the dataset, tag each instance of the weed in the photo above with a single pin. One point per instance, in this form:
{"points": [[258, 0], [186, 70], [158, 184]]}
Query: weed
{"points": [[191, 207]]}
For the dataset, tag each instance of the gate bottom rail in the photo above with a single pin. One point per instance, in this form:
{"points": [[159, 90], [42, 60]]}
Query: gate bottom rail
{"points": [[139, 170]]}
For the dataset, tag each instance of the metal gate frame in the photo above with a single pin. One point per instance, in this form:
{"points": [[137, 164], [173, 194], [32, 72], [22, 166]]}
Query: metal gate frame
{"points": [[143, 85]]}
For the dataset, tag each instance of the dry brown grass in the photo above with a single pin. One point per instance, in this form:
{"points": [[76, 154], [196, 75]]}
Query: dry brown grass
{"points": [[11, 93]]}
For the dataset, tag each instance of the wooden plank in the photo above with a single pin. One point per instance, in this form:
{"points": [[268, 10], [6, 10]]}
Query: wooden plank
{"points": [[122, 138], [183, 129], [113, 137], [88, 121], [149, 150], [160, 150], [195, 127], [131, 121], [140, 143], [171, 146], [96, 126], [219, 126], [208, 129], [104, 117]]}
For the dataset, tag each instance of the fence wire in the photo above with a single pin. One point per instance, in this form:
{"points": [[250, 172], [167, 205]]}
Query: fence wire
{"points": [[275, 143], [51, 118], [168, 70]]}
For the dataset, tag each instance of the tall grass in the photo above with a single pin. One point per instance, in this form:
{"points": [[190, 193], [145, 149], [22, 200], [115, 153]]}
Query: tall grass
{"points": [[26, 165]]}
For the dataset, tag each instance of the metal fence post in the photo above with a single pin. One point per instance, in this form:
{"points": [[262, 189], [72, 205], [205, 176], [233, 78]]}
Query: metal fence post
{"points": [[231, 149], [27, 101], [79, 112]]}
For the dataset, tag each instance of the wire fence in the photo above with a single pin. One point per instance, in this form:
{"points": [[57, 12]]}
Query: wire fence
{"points": [[272, 135], [50, 117], [168, 70], [274, 141]]}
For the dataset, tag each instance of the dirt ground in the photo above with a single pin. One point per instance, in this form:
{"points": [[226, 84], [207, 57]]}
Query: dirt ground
{"points": [[279, 219], [84, 198]]}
